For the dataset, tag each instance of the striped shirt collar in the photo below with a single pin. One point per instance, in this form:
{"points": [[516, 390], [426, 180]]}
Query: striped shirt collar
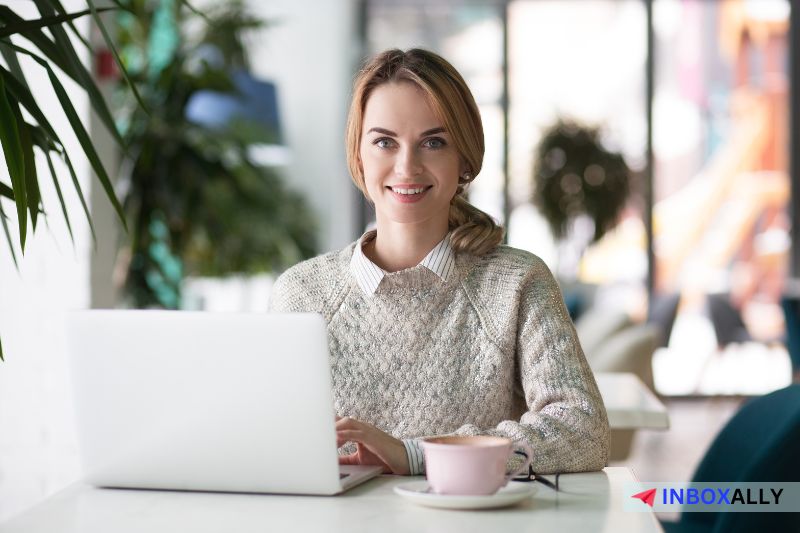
{"points": [[440, 261]]}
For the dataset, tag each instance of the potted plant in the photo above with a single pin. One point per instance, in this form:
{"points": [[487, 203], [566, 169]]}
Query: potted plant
{"points": [[575, 175], [198, 202], [580, 188], [21, 135]]}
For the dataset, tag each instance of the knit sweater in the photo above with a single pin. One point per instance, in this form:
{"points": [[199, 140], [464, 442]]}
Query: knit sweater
{"points": [[489, 351]]}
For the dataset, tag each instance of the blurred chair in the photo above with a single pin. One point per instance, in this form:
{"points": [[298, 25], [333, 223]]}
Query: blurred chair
{"points": [[662, 311], [596, 326], [791, 312], [759, 444], [726, 319], [578, 297], [629, 349]]}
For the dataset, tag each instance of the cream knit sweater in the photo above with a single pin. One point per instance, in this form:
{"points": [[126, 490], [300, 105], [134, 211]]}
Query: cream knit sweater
{"points": [[490, 351]]}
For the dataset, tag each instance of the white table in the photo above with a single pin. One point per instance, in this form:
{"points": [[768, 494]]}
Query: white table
{"points": [[629, 403], [631, 406], [586, 502]]}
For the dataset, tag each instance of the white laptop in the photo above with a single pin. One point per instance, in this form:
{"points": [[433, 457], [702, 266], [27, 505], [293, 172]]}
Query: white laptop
{"points": [[204, 401]]}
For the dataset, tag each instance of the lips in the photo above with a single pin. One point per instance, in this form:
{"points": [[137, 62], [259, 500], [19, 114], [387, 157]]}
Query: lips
{"points": [[408, 192]]}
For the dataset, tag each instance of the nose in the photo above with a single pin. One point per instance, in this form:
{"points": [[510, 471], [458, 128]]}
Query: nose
{"points": [[407, 163]]}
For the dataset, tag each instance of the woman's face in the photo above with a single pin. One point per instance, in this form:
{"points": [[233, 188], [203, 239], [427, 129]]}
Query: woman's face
{"points": [[410, 165]]}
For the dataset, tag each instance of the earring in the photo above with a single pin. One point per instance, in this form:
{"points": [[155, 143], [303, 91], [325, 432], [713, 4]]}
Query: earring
{"points": [[466, 178]]}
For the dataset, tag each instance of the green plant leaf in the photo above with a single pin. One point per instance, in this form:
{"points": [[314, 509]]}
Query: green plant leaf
{"points": [[80, 133], [78, 190], [35, 36], [86, 143], [31, 182], [95, 15], [3, 218], [197, 12], [55, 4], [6, 191], [23, 26], [25, 98], [58, 191], [15, 160], [79, 72], [64, 57], [13, 64], [18, 77], [43, 136]]}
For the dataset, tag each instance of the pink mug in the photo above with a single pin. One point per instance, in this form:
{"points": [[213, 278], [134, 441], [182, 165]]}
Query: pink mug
{"points": [[470, 465]]}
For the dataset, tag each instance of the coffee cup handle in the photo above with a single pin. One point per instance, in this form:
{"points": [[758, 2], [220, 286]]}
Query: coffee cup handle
{"points": [[528, 452]]}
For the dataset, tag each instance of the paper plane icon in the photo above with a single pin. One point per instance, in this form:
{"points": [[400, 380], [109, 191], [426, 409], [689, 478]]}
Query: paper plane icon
{"points": [[647, 496]]}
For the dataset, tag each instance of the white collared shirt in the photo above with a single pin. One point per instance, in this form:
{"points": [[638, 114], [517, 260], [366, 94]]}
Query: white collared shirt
{"points": [[440, 261], [368, 275]]}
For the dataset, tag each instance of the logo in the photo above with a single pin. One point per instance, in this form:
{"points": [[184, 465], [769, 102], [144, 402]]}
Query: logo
{"points": [[647, 496], [712, 497]]}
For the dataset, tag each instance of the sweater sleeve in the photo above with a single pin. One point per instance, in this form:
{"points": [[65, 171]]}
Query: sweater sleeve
{"points": [[565, 424], [283, 298], [312, 286]]}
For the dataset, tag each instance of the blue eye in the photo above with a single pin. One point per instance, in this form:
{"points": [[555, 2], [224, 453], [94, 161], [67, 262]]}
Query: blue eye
{"points": [[383, 142], [434, 143]]}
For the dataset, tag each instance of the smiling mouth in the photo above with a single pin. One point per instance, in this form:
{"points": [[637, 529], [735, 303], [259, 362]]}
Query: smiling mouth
{"points": [[410, 191]]}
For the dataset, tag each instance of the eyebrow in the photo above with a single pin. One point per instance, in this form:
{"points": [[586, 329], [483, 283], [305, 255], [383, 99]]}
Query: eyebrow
{"points": [[390, 133]]}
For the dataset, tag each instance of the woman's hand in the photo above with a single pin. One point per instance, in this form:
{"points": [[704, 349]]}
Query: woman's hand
{"points": [[373, 446]]}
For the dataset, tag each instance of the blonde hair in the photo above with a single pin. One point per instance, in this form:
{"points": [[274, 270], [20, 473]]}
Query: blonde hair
{"points": [[473, 231]]}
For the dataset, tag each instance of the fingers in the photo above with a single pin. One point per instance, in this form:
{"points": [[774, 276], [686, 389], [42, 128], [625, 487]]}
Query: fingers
{"points": [[349, 435], [364, 457], [373, 447], [352, 430], [351, 459], [345, 435], [349, 429], [347, 422], [343, 424]]}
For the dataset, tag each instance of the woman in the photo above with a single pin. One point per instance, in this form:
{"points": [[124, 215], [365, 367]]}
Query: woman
{"points": [[434, 327]]}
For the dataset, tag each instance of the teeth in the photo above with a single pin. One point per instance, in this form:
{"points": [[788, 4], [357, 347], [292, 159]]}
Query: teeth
{"points": [[408, 191]]}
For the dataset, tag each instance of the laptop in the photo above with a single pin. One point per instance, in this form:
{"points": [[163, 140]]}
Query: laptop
{"points": [[207, 402]]}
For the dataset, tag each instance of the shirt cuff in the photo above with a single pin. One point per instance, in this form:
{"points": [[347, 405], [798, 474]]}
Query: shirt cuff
{"points": [[416, 459]]}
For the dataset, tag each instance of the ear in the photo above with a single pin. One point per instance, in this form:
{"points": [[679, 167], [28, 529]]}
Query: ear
{"points": [[463, 167]]}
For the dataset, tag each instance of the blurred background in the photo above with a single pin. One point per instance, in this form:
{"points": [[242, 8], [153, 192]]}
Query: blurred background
{"points": [[641, 148]]}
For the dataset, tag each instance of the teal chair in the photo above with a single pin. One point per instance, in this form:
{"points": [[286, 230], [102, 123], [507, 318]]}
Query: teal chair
{"points": [[761, 443], [791, 311]]}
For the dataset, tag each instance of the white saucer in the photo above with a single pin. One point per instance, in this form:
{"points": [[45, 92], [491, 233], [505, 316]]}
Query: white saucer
{"points": [[417, 492]]}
